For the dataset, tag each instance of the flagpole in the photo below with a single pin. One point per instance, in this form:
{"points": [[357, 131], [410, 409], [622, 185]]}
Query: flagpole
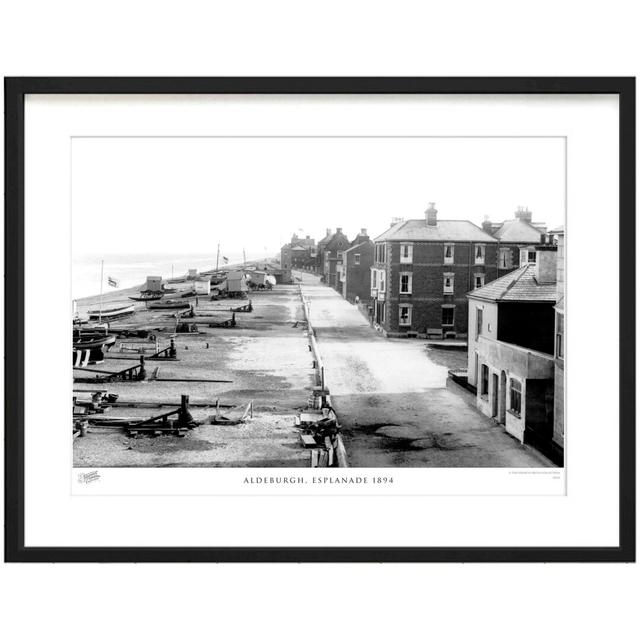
{"points": [[218, 256], [101, 281]]}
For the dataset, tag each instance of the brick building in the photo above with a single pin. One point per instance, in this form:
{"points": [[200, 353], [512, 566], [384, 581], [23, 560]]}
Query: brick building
{"points": [[356, 270], [424, 268], [300, 253], [511, 350], [320, 252], [333, 250]]}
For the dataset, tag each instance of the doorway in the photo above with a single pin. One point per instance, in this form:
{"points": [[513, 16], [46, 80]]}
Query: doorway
{"points": [[502, 399], [494, 395]]}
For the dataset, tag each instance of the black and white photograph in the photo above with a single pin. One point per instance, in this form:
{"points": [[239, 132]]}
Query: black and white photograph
{"points": [[318, 301]]}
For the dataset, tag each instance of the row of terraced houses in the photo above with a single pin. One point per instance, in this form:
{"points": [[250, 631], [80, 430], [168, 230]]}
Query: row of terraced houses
{"points": [[500, 287]]}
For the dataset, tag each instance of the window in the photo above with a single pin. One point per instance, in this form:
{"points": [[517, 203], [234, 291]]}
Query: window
{"points": [[484, 380], [527, 256], [515, 396], [504, 261], [406, 253], [374, 279], [448, 254], [381, 252], [479, 254], [339, 255], [382, 281], [478, 280], [559, 335], [448, 283], [405, 282], [356, 258], [478, 322], [447, 315], [405, 315]]}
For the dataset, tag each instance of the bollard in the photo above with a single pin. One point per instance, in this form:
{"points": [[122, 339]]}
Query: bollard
{"points": [[142, 373]]}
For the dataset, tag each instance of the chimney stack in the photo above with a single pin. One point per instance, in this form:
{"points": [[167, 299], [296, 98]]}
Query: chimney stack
{"points": [[487, 225], [523, 213], [546, 263], [431, 215], [363, 232], [338, 229]]}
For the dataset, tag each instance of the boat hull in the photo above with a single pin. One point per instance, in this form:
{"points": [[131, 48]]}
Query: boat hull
{"points": [[112, 314]]}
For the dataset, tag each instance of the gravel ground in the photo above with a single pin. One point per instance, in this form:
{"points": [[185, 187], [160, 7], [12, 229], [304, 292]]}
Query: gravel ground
{"points": [[392, 399], [266, 359]]}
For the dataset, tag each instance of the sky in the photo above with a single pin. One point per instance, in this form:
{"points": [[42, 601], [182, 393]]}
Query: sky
{"points": [[182, 195]]}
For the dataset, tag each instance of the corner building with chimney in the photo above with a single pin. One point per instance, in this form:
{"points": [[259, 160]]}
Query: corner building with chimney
{"points": [[424, 268]]}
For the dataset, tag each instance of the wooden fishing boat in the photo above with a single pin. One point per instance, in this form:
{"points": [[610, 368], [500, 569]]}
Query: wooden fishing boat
{"points": [[170, 304], [147, 296], [113, 313], [93, 341]]}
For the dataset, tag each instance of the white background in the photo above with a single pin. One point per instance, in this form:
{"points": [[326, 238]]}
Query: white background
{"points": [[587, 516], [463, 38]]}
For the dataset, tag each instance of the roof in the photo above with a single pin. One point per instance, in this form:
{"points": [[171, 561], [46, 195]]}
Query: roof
{"points": [[337, 241], [452, 230], [326, 238], [518, 286], [299, 248], [517, 231], [357, 246]]}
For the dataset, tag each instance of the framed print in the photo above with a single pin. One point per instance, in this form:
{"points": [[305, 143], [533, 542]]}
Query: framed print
{"points": [[320, 319]]}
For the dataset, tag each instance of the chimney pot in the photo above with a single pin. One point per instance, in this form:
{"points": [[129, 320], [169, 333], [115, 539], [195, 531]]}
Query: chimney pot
{"points": [[339, 230], [523, 213]]}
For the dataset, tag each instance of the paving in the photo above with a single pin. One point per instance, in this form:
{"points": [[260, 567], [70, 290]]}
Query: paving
{"points": [[392, 399], [265, 358]]}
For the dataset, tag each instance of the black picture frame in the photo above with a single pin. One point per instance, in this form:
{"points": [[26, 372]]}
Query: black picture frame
{"points": [[15, 91]]}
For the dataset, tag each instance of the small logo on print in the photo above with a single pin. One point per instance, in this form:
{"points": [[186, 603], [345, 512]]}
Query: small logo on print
{"points": [[88, 477]]}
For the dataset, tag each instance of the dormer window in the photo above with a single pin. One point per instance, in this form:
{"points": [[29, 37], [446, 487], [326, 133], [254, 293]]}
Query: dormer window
{"points": [[479, 253], [527, 256]]}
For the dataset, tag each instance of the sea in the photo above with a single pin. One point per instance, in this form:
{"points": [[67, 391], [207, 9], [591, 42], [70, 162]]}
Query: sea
{"points": [[131, 270]]}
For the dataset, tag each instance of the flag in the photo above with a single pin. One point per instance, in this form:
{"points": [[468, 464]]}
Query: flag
{"points": [[225, 259], [112, 281]]}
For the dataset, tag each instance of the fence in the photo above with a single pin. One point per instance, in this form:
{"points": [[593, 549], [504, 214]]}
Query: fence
{"points": [[322, 397]]}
